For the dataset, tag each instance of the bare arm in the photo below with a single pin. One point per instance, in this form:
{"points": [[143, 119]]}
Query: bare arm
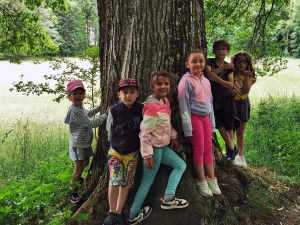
{"points": [[247, 81], [222, 67], [226, 84]]}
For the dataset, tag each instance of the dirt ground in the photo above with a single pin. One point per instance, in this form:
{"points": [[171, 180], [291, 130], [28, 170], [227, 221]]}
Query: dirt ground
{"points": [[286, 208]]}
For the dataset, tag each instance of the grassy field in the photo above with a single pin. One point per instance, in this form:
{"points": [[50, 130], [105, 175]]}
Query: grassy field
{"points": [[285, 83]]}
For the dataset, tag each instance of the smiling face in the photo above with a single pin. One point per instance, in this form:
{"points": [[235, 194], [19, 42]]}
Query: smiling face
{"points": [[128, 95], [196, 63], [77, 96], [241, 63], [160, 87]]}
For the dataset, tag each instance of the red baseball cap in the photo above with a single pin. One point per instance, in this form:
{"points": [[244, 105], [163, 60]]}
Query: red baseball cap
{"points": [[128, 82], [72, 85]]}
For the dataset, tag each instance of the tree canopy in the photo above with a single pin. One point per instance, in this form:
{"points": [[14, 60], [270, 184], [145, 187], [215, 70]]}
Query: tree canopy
{"points": [[19, 29], [265, 28]]}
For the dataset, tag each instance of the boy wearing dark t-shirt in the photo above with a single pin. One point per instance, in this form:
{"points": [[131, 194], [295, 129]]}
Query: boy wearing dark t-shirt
{"points": [[220, 74]]}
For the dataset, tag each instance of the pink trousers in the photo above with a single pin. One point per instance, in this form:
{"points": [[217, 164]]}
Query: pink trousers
{"points": [[201, 139]]}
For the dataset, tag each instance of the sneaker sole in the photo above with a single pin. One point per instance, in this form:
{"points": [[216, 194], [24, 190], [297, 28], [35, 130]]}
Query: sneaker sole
{"points": [[243, 166], [174, 206], [74, 202], [206, 195], [240, 165], [141, 219]]}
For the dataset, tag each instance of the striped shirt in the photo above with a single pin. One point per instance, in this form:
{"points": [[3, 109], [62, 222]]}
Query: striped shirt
{"points": [[81, 125]]}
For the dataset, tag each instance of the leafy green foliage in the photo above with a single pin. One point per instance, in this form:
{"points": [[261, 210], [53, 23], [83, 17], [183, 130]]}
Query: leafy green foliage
{"points": [[20, 32], [272, 136], [35, 199], [248, 25], [71, 26], [36, 174]]}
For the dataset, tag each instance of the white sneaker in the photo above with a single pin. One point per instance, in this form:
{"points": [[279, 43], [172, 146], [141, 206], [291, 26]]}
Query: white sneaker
{"points": [[143, 214], [203, 188], [243, 162], [213, 185], [240, 161]]}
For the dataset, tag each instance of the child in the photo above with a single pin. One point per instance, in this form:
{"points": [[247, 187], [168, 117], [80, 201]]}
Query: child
{"points": [[220, 74], [123, 126], [196, 110], [244, 78], [156, 133], [81, 132]]}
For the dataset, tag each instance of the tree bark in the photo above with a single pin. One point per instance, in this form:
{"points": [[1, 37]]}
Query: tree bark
{"points": [[136, 38]]}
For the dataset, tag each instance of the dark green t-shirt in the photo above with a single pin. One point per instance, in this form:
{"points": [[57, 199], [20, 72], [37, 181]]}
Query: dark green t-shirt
{"points": [[217, 88]]}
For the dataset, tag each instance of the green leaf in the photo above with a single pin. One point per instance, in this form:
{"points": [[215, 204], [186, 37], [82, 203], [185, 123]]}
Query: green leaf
{"points": [[81, 217]]}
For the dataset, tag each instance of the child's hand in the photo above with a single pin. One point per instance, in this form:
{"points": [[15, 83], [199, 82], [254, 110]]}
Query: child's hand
{"points": [[174, 143], [212, 76], [228, 66], [149, 162], [247, 72]]}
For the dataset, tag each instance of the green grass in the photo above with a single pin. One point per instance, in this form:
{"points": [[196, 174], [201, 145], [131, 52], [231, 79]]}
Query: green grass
{"points": [[273, 136], [285, 83]]}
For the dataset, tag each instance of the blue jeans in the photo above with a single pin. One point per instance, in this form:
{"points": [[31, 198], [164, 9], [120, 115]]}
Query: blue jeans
{"points": [[161, 155]]}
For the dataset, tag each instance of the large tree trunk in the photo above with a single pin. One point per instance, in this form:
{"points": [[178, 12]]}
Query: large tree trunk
{"points": [[136, 38]]}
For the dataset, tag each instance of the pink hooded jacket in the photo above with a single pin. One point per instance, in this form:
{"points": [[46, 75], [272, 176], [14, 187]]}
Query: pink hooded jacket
{"points": [[156, 128]]}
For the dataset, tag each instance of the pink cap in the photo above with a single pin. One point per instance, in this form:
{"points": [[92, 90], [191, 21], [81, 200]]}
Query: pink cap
{"points": [[72, 85]]}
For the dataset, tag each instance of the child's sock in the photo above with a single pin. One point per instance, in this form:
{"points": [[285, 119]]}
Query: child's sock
{"points": [[168, 197]]}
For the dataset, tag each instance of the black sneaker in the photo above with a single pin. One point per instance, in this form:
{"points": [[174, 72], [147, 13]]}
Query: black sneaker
{"points": [[176, 203], [143, 214], [75, 198], [121, 220], [233, 153], [111, 219]]}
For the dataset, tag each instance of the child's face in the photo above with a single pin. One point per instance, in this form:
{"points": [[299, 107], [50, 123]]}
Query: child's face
{"points": [[128, 95], [241, 64], [160, 87], [196, 63], [221, 52], [77, 96]]}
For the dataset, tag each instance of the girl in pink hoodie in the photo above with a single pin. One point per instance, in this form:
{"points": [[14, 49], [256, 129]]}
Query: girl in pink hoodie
{"points": [[198, 122], [156, 134]]}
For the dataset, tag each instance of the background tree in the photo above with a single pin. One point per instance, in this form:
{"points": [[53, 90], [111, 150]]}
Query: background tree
{"points": [[77, 27], [20, 32], [137, 38], [249, 25]]}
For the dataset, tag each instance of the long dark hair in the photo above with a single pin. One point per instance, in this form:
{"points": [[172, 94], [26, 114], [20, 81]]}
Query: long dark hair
{"points": [[235, 57]]}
